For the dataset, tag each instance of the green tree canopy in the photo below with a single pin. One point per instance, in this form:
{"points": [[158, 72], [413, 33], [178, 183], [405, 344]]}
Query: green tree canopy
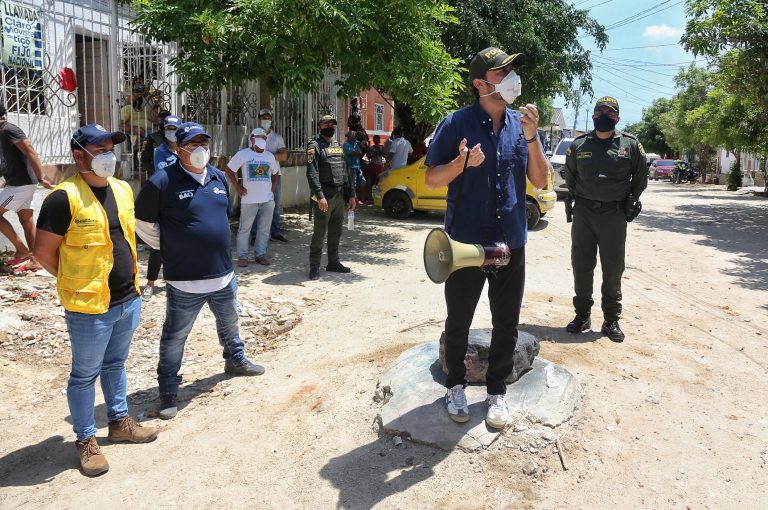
{"points": [[290, 43], [648, 131]]}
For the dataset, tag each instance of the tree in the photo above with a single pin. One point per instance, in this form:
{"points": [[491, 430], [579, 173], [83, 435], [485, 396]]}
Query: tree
{"points": [[648, 131], [290, 43], [733, 35], [548, 32]]}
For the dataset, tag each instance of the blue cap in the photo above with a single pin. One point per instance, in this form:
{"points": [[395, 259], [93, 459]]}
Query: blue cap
{"points": [[189, 130], [92, 134], [171, 120]]}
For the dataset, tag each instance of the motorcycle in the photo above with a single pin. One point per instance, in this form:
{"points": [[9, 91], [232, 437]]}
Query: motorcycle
{"points": [[683, 175]]}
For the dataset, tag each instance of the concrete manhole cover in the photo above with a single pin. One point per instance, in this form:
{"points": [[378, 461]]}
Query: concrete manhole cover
{"points": [[414, 389]]}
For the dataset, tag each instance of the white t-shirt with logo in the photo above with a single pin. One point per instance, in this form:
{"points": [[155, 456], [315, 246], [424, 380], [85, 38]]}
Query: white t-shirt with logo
{"points": [[257, 169]]}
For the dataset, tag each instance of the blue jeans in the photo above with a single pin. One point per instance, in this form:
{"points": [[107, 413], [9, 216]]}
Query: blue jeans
{"points": [[275, 228], [100, 344], [180, 313], [262, 214]]}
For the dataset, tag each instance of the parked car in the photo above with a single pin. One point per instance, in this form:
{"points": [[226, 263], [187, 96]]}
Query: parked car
{"points": [[661, 169], [404, 190], [558, 165]]}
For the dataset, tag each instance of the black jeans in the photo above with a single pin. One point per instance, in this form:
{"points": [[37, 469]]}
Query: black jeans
{"points": [[153, 265], [505, 293]]}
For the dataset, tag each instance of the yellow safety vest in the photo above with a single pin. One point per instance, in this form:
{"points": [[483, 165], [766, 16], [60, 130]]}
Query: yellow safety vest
{"points": [[85, 253]]}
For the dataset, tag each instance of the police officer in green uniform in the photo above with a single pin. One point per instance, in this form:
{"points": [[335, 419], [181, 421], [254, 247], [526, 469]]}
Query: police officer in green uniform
{"points": [[605, 173], [333, 193]]}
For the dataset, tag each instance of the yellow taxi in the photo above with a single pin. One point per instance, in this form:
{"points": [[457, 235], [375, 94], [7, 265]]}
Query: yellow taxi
{"points": [[404, 190]]}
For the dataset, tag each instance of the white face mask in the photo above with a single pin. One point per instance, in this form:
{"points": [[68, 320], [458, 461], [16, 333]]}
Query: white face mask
{"points": [[260, 143], [170, 135], [266, 124], [509, 88], [199, 157], [103, 165]]}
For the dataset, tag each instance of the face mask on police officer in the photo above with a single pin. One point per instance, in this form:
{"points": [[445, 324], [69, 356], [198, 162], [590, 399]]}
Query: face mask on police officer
{"points": [[328, 132], [604, 123], [509, 88]]}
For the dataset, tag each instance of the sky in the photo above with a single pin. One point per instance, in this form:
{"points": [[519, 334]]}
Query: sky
{"points": [[641, 58]]}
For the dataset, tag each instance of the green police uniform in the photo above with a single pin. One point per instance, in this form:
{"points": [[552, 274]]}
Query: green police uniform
{"points": [[600, 175], [328, 178]]}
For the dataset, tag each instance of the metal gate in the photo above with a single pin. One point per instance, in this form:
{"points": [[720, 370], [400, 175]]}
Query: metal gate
{"points": [[85, 38]]}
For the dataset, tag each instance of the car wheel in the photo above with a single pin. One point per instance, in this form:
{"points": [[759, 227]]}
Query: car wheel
{"points": [[532, 214], [397, 205]]}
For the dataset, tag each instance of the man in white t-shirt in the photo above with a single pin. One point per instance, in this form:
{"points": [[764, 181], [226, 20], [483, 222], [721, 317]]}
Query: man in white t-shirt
{"points": [[397, 156], [275, 145], [259, 171]]}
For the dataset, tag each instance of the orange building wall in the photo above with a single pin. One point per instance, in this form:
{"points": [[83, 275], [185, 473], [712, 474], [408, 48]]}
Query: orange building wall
{"points": [[368, 99]]}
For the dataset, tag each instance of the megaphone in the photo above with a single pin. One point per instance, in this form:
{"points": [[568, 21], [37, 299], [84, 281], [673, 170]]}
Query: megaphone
{"points": [[443, 255]]}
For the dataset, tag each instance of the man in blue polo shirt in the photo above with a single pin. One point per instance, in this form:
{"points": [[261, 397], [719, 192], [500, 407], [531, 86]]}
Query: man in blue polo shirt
{"points": [[183, 210], [483, 153]]}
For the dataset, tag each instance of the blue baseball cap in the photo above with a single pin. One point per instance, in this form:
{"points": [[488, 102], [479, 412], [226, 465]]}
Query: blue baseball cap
{"points": [[94, 133], [189, 130], [171, 120]]}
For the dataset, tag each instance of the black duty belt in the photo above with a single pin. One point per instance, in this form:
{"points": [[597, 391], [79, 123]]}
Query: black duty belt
{"points": [[597, 204]]}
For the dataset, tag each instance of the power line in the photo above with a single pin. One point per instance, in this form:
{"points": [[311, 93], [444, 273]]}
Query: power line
{"points": [[641, 47], [639, 85], [654, 9]]}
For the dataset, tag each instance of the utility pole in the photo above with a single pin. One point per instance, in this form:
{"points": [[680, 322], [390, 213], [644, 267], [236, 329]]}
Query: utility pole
{"points": [[576, 108]]}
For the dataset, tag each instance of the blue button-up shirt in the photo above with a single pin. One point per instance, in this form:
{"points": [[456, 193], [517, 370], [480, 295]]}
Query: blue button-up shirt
{"points": [[486, 204]]}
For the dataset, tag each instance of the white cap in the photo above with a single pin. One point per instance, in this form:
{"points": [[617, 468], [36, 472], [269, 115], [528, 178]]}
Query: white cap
{"points": [[258, 132], [265, 111]]}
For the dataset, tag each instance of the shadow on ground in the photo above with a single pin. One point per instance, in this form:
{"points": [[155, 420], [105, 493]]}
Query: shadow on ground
{"points": [[561, 336], [738, 226], [368, 244], [146, 401], [373, 472]]}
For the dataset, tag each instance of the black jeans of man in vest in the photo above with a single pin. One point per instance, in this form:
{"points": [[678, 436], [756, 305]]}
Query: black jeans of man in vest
{"points": [[329, 222], [505, 294]]}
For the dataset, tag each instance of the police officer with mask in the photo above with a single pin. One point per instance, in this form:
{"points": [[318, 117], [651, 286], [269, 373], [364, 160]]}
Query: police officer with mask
{"points": [[333, 192], [605, 173]]}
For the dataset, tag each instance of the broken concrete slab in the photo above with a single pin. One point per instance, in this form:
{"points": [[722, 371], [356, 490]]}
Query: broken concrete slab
{"points": [[478, 348], [547, 393]]}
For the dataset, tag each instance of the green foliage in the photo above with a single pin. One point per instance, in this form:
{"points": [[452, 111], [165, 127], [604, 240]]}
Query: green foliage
{"points": [[548, 32], [394, 46], [733, 35], [648, 131], [734, 176]]}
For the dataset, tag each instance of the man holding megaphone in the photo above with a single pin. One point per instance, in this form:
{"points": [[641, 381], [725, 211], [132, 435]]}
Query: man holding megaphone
{"points": [[483, 153]]}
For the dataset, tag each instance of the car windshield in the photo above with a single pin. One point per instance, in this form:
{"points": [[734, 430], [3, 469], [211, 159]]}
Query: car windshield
{"points": [[562, 147], [665, 162]]}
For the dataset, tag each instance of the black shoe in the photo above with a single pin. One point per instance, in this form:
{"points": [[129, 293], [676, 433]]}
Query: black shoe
{"points": [[337, 267], [613, 331], [242, 367], [579, 323], [314, 274], [279, 237], [168, 408]]}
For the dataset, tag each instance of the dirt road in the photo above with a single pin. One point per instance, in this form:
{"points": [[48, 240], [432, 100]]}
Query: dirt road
{"points": [[674, 417]]}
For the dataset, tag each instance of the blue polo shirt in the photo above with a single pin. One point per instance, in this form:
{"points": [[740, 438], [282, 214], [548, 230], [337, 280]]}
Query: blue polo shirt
{"points": [[486, 204], [194, 222], [163, 156]]}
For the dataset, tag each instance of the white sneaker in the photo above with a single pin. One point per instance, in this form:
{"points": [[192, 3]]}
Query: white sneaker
{"points": [[456, 403], [498, 414], [147, 293]]}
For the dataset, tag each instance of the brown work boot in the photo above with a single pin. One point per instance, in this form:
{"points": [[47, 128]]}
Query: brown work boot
{"points": [[92, 461], [128, 430]]}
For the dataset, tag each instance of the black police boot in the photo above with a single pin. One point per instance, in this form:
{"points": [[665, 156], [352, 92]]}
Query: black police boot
{"points": [[579, 323], [314, 273], [242, 367], [337, 267], [613, 331]]}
